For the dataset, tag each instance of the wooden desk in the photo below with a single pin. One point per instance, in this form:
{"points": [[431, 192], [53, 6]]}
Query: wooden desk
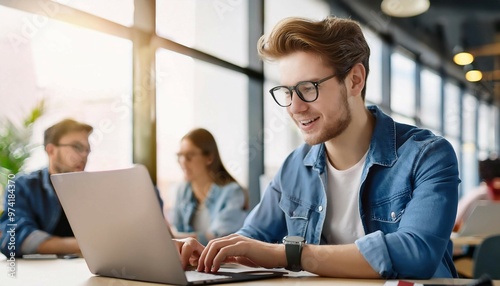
{"points": [[464, 265], [75, 272], [466, 240]]}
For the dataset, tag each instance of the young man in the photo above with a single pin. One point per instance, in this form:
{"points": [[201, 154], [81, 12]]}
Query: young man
{"points": [[366, 197], [40, 223]]}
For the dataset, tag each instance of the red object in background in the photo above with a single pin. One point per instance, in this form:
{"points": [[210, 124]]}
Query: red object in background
{"points": [[494, 189]]}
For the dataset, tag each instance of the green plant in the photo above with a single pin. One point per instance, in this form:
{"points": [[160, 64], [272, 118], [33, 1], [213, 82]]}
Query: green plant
{"points": [[15, 145]]}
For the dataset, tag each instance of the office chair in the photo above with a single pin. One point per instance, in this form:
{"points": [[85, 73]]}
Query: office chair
{"points": [[487, 258]]}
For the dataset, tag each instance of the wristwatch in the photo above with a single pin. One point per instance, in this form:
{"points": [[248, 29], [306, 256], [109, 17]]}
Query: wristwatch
{"points": [[293, 250]]}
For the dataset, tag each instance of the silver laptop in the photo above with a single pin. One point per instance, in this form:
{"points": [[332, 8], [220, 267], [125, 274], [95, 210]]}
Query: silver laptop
{"points": [[482, 220], [118, 223]]}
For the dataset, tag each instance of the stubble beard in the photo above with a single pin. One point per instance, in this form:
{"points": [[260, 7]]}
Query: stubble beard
{"points": [[334, 130], [60, 167]]}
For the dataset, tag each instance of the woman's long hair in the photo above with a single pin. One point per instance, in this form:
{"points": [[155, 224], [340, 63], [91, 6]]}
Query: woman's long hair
{"points": [[204, 140]]}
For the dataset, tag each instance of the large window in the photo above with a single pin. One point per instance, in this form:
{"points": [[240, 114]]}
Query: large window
{"points": [[451, 120], [374, 82], [469, 168], [484, 127], [202, 80], [430, 109], [276, 10], [80, 73], [494, 133], [451, 110], [469, 118], [470, 165], [403, 88], [104, 9], [219, 28]]}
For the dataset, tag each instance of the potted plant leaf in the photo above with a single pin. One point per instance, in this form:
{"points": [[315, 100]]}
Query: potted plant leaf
{"points": [[15, 146]]}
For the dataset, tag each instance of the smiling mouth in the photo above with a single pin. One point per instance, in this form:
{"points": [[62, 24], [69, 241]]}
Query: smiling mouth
{"points": [[307, 122]]}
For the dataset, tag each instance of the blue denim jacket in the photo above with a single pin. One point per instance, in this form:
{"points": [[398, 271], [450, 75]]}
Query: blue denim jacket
{"points": [[37, 211], [225, 205], [408, 200]]}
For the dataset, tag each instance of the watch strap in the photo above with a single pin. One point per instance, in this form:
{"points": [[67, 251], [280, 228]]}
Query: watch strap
{"points": [[293, 252]]}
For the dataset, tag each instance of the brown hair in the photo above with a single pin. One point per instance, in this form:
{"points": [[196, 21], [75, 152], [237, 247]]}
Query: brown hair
{"points": [[54, 133], [489, 169], [204, 140], [339, 42]]}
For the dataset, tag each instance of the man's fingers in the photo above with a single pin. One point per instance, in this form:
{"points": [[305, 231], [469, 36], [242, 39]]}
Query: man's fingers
{"points": [[193, 261], [190, 250], [222, 251], [213, 247], [231, 250], [186, 254]]}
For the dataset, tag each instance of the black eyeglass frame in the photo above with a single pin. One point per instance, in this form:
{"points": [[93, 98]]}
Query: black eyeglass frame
{"points": [[78, 148], [299, 94]]}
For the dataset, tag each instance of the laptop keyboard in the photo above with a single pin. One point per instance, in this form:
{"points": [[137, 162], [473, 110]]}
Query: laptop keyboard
{"points": [[193, 276]]}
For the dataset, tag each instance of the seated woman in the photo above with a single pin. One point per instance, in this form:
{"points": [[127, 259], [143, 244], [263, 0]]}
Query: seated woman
{"points": [[210, 203]]}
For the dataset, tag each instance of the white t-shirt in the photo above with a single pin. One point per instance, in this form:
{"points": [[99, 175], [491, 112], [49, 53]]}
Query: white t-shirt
{"points": [[343, 222]]}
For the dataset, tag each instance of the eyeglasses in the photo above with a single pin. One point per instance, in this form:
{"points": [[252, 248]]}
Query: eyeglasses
{"points": [[306, 90], [188, 156], [78, 148]]}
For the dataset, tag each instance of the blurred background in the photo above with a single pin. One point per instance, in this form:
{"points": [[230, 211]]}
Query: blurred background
{"points": [[145, 72]]}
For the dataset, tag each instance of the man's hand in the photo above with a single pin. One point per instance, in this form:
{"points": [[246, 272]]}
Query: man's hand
{"points": [[190, 250], [235, 248]]}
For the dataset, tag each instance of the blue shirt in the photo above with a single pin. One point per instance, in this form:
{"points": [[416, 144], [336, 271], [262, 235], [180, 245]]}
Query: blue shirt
{"points": [[225, 205], [37, 211], [407, 201]]}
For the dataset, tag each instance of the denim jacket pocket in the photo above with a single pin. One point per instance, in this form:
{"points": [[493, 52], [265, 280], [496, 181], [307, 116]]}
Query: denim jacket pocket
{"points": [[297, 216], [386, 213]]}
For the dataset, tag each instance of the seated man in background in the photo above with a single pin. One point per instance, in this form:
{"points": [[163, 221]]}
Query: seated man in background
{"points": [[210, 203], [488, 189], [40, 224]]}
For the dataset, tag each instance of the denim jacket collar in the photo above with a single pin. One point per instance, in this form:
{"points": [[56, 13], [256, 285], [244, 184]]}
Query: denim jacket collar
{"points": [[47, 184], [382, 146]]}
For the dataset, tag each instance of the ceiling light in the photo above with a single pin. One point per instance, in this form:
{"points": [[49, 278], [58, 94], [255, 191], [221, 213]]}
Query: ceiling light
{"points": [[404, 8], [463, 58], [473, 75]]}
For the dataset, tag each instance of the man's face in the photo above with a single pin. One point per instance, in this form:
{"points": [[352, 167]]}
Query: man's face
{"points": [[70, 154], [328, 116]]}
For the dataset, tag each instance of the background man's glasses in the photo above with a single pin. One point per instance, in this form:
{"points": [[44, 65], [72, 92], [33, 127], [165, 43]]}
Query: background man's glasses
{"points": [[78, 148], [306, 90]]}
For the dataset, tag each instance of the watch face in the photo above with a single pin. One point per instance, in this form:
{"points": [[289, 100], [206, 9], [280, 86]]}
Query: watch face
{"points": [[293, 239]]}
